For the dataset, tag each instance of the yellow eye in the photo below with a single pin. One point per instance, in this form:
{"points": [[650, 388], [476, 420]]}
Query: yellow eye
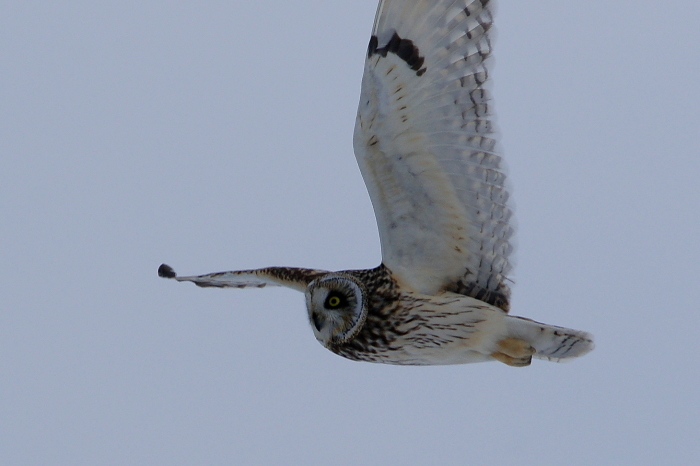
{"points": [[334, 301]]}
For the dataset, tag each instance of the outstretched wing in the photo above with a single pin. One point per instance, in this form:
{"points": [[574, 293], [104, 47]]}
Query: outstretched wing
{"points": [[425, 143], [289, 277]]}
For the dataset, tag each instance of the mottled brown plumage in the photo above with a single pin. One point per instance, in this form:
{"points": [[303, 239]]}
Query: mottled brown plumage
{"points": [[427, 149]]}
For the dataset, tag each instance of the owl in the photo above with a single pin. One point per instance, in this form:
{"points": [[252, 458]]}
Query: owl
{"points": [[426, 146]]}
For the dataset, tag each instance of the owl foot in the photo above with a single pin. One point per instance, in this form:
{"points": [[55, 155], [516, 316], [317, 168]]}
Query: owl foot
{"points": [[514, 352]]}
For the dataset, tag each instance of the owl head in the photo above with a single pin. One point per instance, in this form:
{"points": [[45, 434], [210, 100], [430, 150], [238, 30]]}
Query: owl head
{"points": [[337, 307]]}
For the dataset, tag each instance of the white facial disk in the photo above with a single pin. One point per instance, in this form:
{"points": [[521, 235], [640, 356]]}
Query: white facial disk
{"points": [[337, 308]]}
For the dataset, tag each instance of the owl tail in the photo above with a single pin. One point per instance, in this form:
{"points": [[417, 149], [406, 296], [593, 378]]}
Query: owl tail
{"points": [[550, 342]]}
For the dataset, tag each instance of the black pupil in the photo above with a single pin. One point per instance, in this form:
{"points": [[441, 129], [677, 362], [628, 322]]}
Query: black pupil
{"points": [[334, 300]]}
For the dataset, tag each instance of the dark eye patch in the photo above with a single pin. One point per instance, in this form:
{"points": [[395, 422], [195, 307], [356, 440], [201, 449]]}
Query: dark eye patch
{"points": [[335, 300]]}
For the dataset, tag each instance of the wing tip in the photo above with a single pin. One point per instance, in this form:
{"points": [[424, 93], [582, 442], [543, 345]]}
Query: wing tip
{"points": [[165, 271]]}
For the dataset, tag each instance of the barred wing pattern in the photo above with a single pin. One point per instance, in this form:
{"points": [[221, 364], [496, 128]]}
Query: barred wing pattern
{"points": [[295, 278], [425, 143]]}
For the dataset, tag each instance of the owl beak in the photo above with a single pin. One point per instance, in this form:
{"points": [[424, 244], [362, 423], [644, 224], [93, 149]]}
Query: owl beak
{"points": [[319, 321]]}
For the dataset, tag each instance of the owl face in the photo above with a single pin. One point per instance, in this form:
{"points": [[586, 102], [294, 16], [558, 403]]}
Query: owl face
{"points": [[337, 308]]}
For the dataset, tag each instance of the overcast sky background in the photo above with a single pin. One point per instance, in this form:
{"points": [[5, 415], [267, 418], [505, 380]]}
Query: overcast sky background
{"points": [[218, 135]]}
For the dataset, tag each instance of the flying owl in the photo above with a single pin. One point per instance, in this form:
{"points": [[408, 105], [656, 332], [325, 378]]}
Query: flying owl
{"points": [[425, 143]]}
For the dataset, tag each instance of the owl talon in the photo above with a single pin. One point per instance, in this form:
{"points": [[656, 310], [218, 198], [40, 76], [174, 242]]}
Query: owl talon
{"points": [[511, 361], [514, 352]]}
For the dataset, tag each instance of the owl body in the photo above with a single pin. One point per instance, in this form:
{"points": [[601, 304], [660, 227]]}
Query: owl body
{"points": [[426, 145], [427, 330], [407, 327]]}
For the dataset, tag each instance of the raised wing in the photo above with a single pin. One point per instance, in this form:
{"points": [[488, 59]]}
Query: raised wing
{"points": [[289, 277], [425, 143]]}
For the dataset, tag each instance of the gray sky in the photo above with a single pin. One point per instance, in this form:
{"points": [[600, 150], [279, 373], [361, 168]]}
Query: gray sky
{"points": [[218, 136]]}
